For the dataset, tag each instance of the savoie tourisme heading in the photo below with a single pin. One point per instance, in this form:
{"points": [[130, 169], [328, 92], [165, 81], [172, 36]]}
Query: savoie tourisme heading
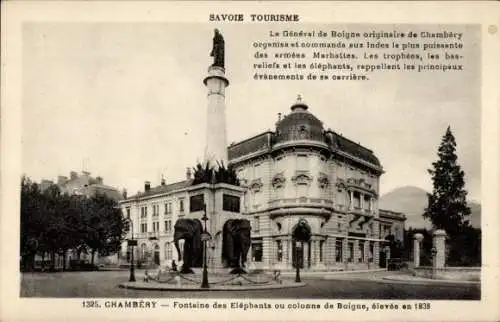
{"points": [[239, 17]]}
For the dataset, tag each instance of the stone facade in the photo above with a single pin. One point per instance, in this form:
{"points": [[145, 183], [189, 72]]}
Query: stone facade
{"points": [[321, 178], [301, 172]]}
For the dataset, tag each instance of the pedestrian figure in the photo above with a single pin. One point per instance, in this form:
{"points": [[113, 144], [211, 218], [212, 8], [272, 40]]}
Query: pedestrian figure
{"points": [[174, 265], [277, 276]]}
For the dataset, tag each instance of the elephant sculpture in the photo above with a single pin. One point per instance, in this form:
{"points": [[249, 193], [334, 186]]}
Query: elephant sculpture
{"points": [[235, 244], [190, 231]]}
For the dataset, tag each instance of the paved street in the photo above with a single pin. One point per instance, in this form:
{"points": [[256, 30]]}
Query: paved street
{"points": [[357, 286]]}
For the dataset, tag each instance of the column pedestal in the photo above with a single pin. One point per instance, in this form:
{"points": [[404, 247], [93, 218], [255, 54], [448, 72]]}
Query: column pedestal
{"points": [[439, 238], [416, 249]]}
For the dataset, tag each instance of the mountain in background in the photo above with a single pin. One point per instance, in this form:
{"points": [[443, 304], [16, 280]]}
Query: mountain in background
{"points": [[412, 202]]}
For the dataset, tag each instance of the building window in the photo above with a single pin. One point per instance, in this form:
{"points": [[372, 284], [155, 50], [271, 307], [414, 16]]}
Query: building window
{"points": [[278, 164], [338, 251], [168, 226], [321, 242], [302, 190], [255, 198], [196, 203], [143, 252], [350, 247], [168, 251], [279, 192], [230, 203], [256, 224], [279, 248], [341, 197], [181, 205], [367, 203], [156, 210], [361, 251], [144, 227], [257, 250], [302, 162], [168, 208], [357, 199], [128, 212], [256, 171]]}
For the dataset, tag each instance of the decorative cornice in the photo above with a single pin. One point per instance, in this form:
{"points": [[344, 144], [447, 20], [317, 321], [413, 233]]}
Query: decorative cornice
{"points": [[278, 180], [323, 180], [340, 184], [255, 185], [244, 182], [302, 177]]}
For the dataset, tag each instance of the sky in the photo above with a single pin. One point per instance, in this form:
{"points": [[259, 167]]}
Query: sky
{"points": [[126, 101]]}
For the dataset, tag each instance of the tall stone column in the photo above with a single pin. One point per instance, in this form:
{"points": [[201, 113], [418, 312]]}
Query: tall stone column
{"points": [[216, 138], [439, 238], [417, 239]]}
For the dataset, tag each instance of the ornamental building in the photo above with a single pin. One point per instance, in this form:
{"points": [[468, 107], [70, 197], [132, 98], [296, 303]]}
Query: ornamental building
{"points": [[299, 172], [299, 175]]}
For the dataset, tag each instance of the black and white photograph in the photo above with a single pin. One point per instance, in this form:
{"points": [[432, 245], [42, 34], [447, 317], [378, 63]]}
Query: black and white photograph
{"points": [[250, 161]]}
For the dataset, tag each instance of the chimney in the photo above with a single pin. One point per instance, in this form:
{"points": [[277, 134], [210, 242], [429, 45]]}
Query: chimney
{"points": [[99, 180], [188, 173], [163, 182], [147, 186], [73, 175], [124, 193]]}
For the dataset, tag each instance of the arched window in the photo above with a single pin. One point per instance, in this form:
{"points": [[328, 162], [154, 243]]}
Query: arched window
{"points": [[142, 254]]}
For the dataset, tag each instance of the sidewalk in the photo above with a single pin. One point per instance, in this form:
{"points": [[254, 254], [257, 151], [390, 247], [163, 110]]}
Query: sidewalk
{"points": [[408, 279], [326, 274]]}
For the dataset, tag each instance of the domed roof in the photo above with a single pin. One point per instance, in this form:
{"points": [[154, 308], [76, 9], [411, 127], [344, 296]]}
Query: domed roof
{"points": [[300, 124]]}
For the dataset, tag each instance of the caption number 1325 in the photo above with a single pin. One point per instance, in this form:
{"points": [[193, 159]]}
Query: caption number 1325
{"points": [[90, 304]]}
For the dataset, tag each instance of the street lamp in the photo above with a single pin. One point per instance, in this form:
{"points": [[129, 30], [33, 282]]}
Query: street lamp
{"points": [[131, 244], [297, 265], [205, 237]]}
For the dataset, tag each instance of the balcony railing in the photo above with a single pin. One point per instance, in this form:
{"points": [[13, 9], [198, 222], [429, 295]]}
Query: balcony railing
{"points": [[301, 201]]}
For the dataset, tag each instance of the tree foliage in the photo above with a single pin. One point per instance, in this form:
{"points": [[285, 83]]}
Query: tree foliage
{"points": [[54, 223], [219, 174], [447, 206]]}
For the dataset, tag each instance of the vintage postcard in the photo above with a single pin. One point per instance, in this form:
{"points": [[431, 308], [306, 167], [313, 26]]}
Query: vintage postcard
{"points": [[250, 161]]}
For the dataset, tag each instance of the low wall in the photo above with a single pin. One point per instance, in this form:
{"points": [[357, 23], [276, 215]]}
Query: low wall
{"points": [[449, 273]]}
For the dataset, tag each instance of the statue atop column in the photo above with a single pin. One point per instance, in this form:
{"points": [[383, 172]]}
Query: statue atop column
{"points": [[218, 49]]}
